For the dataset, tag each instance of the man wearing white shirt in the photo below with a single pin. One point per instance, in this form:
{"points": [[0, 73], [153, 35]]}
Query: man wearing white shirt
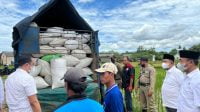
{"points": [[189, 97], [1, 94], [21, 88], [172, 83]]}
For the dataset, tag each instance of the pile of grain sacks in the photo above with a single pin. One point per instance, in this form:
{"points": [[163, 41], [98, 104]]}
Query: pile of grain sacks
{"points": [[74, 49]]}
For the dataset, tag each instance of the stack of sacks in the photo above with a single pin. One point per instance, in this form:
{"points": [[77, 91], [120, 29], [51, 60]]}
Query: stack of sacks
{"points": [[41, 73], [50, 74], [58, 40]]}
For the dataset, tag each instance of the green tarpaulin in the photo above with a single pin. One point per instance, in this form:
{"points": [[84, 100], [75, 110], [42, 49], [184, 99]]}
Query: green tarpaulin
{"points": [[51, 99]]}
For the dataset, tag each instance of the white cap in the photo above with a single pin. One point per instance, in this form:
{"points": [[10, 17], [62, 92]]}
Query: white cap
{"points": [[107, 67]]}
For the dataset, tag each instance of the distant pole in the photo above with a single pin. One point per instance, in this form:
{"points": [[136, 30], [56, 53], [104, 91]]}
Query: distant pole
{"points": [[153, 58]]}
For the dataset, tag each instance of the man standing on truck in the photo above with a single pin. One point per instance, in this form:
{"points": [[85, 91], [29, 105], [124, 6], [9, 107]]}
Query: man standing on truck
{"points": [[1, 95], [128, 77], [113, 100], [21, 88], [75, 85]]}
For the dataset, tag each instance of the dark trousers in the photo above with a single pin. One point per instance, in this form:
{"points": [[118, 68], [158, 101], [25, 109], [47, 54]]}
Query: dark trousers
{"points": [[168, 109], [128, 101]]}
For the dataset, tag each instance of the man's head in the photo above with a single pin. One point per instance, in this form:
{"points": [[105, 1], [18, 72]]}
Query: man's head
{"points": [[75, 80], [25, 62], [107, 72], [113, 59], [126, 60], [168, 61], [143, 61], [188, 60]]}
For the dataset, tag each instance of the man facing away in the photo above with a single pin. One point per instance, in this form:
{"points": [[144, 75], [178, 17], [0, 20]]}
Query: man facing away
{"points": [[172, 83], [113, 100], [75, 85], [21, 88]]}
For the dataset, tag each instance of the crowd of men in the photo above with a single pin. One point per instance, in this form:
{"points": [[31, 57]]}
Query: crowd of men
{"points": [[180, 88]]}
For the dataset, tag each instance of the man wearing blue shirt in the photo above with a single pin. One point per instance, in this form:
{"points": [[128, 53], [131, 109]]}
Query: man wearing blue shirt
{"points": [[113, 101], [75, 84]]}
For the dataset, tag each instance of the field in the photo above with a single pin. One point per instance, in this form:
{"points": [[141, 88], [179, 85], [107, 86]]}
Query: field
{"points": [[160, 74]]}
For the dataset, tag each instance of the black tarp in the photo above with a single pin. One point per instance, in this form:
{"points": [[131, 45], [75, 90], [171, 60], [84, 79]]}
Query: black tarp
{"points": [[59, 13]]}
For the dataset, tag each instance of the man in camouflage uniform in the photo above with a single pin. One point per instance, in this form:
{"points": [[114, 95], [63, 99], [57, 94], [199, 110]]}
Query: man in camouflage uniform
{"points": [[118, 76], [146, 84]]}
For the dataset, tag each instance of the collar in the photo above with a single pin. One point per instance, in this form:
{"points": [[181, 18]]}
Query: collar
{"points": [[128, 65], [21, 70], [191, 74], [171, 69], [76, 97], [109, 89]]}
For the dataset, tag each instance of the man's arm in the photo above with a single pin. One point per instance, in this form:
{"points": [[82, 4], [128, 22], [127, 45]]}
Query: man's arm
{"points": [[34, 103], [131, 85], [152, 81]]}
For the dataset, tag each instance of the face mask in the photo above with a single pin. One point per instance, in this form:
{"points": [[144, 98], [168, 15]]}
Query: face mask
{"points": [[181, 67], [165, 66]]}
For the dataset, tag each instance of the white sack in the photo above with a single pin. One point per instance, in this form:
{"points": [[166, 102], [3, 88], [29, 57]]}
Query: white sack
{"points": [[45, 40], [86, 48], [87, 71], [84, 38], [51, 34], [84, 63], [57, 42], [48, 79], [69, 34], [46, 49], [58, 69], [45, 68], [71, 60], [40, 83], [55, 29], [61, 50], [71, 44], [35, 71], [80, 54]]}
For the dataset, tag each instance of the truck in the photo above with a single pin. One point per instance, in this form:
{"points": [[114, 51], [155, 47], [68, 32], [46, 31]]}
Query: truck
{"points": [[26, 40]]}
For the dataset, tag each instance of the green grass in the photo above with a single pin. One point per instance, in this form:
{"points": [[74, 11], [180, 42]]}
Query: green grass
{"points": [[160, 75]]}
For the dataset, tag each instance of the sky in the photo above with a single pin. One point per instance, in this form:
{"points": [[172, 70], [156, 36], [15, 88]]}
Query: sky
{"points": [[123, 24]]}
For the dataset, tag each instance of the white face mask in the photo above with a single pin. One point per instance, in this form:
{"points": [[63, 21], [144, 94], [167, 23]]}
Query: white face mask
{"points": [[165, 66], [181, 67]]}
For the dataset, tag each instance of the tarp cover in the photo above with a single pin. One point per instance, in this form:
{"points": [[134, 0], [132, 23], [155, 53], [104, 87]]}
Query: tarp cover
{"points": [[51, 99], [60, 13]]}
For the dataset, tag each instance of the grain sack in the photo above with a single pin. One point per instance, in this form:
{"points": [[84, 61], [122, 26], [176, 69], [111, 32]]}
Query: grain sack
{"points": [[61, 50], [53, 35], [69, 34], [86, 48], [45, 40], [85, 38], [46, 49], [71, 44], [40, 83], [87, 71], [35, 71], [37, 55], [57, 42], [71, 61], [48, 79], [58, 69], [80, 54], [84, 63], [55, 29], [45, 68]]}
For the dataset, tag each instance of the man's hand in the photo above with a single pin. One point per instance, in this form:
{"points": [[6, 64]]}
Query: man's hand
{"points": [[130, 88], [150, 93]]}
